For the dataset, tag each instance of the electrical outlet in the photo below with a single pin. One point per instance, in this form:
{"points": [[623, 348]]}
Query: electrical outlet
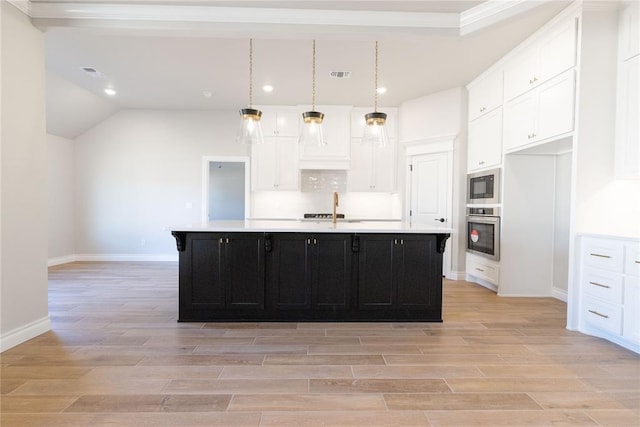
{"points": [[143, 242], [189, 205]]}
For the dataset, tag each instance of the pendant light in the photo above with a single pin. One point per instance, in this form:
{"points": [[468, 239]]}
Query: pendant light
{"points": [[250, 131], [311, 133], [375, 130]]}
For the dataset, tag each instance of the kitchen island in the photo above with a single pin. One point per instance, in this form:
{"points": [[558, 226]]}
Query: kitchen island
{"points": [[310, 271]]}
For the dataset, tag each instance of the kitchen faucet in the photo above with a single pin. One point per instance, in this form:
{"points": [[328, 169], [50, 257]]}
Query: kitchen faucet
{"points": [[335, 205]]}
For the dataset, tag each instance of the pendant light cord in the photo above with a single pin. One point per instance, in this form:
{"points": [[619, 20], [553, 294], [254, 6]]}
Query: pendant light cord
{"points": [[313, 78], [250, 73], [375, 98]]}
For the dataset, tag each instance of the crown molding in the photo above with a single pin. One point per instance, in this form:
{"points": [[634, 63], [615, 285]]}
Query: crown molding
{"points": [[135, 16], [23, 6]]}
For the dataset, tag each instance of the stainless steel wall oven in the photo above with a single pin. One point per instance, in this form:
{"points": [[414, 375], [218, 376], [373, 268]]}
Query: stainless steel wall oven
{"points": [[483, 232]]}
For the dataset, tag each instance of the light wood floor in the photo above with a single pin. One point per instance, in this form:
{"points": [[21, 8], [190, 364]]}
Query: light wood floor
{"points": [[116, 356]]}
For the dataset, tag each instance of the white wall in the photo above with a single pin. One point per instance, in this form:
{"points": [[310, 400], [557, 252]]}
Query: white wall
{"points": [[432, 116], [562, 222], [61, 198], [137, 171], [23, 221]]}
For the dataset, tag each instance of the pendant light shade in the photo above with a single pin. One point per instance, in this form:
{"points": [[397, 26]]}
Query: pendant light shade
{"points": [[311, 132], [250, 130], [375, 130]]}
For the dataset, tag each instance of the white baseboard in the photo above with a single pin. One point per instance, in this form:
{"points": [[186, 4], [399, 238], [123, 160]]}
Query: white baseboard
{"points": [[61, 260], [24, 333], [457, 275], [560, 294], [113, 257]]}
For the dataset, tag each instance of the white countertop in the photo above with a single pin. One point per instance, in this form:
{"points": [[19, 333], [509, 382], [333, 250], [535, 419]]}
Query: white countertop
{"points": [[306, 226]]}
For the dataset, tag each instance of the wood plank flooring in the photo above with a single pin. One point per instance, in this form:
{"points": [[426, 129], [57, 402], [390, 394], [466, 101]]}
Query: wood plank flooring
{"points": [[116, 356]]}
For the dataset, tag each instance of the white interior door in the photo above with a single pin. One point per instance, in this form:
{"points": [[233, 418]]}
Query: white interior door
{"points": [[429, 188]]}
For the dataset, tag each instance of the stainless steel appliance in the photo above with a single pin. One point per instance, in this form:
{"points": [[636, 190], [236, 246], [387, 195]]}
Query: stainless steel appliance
{"points": [[483, 187], [483, 232]]}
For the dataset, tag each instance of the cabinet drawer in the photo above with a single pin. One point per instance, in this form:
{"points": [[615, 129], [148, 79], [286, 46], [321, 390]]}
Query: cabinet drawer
{"points": [[603, 284], [632, 259], [488, 272], [604, 316], [605, 254]]}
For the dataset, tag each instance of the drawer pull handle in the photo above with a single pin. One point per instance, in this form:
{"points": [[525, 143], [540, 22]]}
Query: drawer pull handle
{"points": [[600, 284], [479, 269], [599, 314], [637, 262], [600, 256]]}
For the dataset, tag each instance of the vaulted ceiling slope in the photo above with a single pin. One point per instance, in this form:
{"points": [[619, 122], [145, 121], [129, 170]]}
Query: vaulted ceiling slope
{"points": [[164, 54]]}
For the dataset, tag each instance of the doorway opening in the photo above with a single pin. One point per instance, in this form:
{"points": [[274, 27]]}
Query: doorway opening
{"points": [[225, 188]]}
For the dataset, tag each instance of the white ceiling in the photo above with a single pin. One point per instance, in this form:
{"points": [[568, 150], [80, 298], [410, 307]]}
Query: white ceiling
{"points": [[164, 54]]}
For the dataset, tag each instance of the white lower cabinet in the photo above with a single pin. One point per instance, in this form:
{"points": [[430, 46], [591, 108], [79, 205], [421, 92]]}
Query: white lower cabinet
{"points": [[540, 114], [486, 270], [609, 289]]}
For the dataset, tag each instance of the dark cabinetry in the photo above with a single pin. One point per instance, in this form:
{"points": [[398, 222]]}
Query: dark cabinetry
{"points": [[310, 271], [400, 274], [221, 272], [300, 276]]}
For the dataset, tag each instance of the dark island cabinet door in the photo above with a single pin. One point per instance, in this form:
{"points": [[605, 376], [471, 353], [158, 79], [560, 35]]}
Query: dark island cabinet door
{"points": [[244, 274], [376, 272], [331, 272], [290, 272], [419, 273], [204, 285]]}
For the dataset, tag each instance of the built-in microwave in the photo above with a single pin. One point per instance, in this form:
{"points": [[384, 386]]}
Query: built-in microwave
{"points": [[483, 187]]}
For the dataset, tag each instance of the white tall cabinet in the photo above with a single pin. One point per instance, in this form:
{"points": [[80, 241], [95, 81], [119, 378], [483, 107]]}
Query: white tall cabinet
{"points": [[274, 164], [485, 125], [627, 161]]}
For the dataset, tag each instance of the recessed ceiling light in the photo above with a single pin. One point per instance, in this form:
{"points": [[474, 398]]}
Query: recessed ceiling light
{"points": [[207, 93], [267, 88], [109, 91], [381, 90]]}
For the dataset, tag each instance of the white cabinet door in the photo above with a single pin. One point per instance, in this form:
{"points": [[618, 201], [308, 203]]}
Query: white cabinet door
{"points": [[557, 51], [264, 165], [485, 141], [631, 310], [543, 60], [540, 114], [555, 109], [337, 130], [372, 168], [485, 95], [288, 171], [629, 24], [280, 120], [275, 164], [627, 123], [519, 121], [519, 73]]}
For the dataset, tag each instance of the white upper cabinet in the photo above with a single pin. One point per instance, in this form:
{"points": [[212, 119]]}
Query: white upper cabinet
{"points": [[540, 114], [629, 32], [627, 152], [358, 122], [275, 164], [280, 121], [372, 168], [485, 141], [336, 126], [485, 95], [542, 60]]}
